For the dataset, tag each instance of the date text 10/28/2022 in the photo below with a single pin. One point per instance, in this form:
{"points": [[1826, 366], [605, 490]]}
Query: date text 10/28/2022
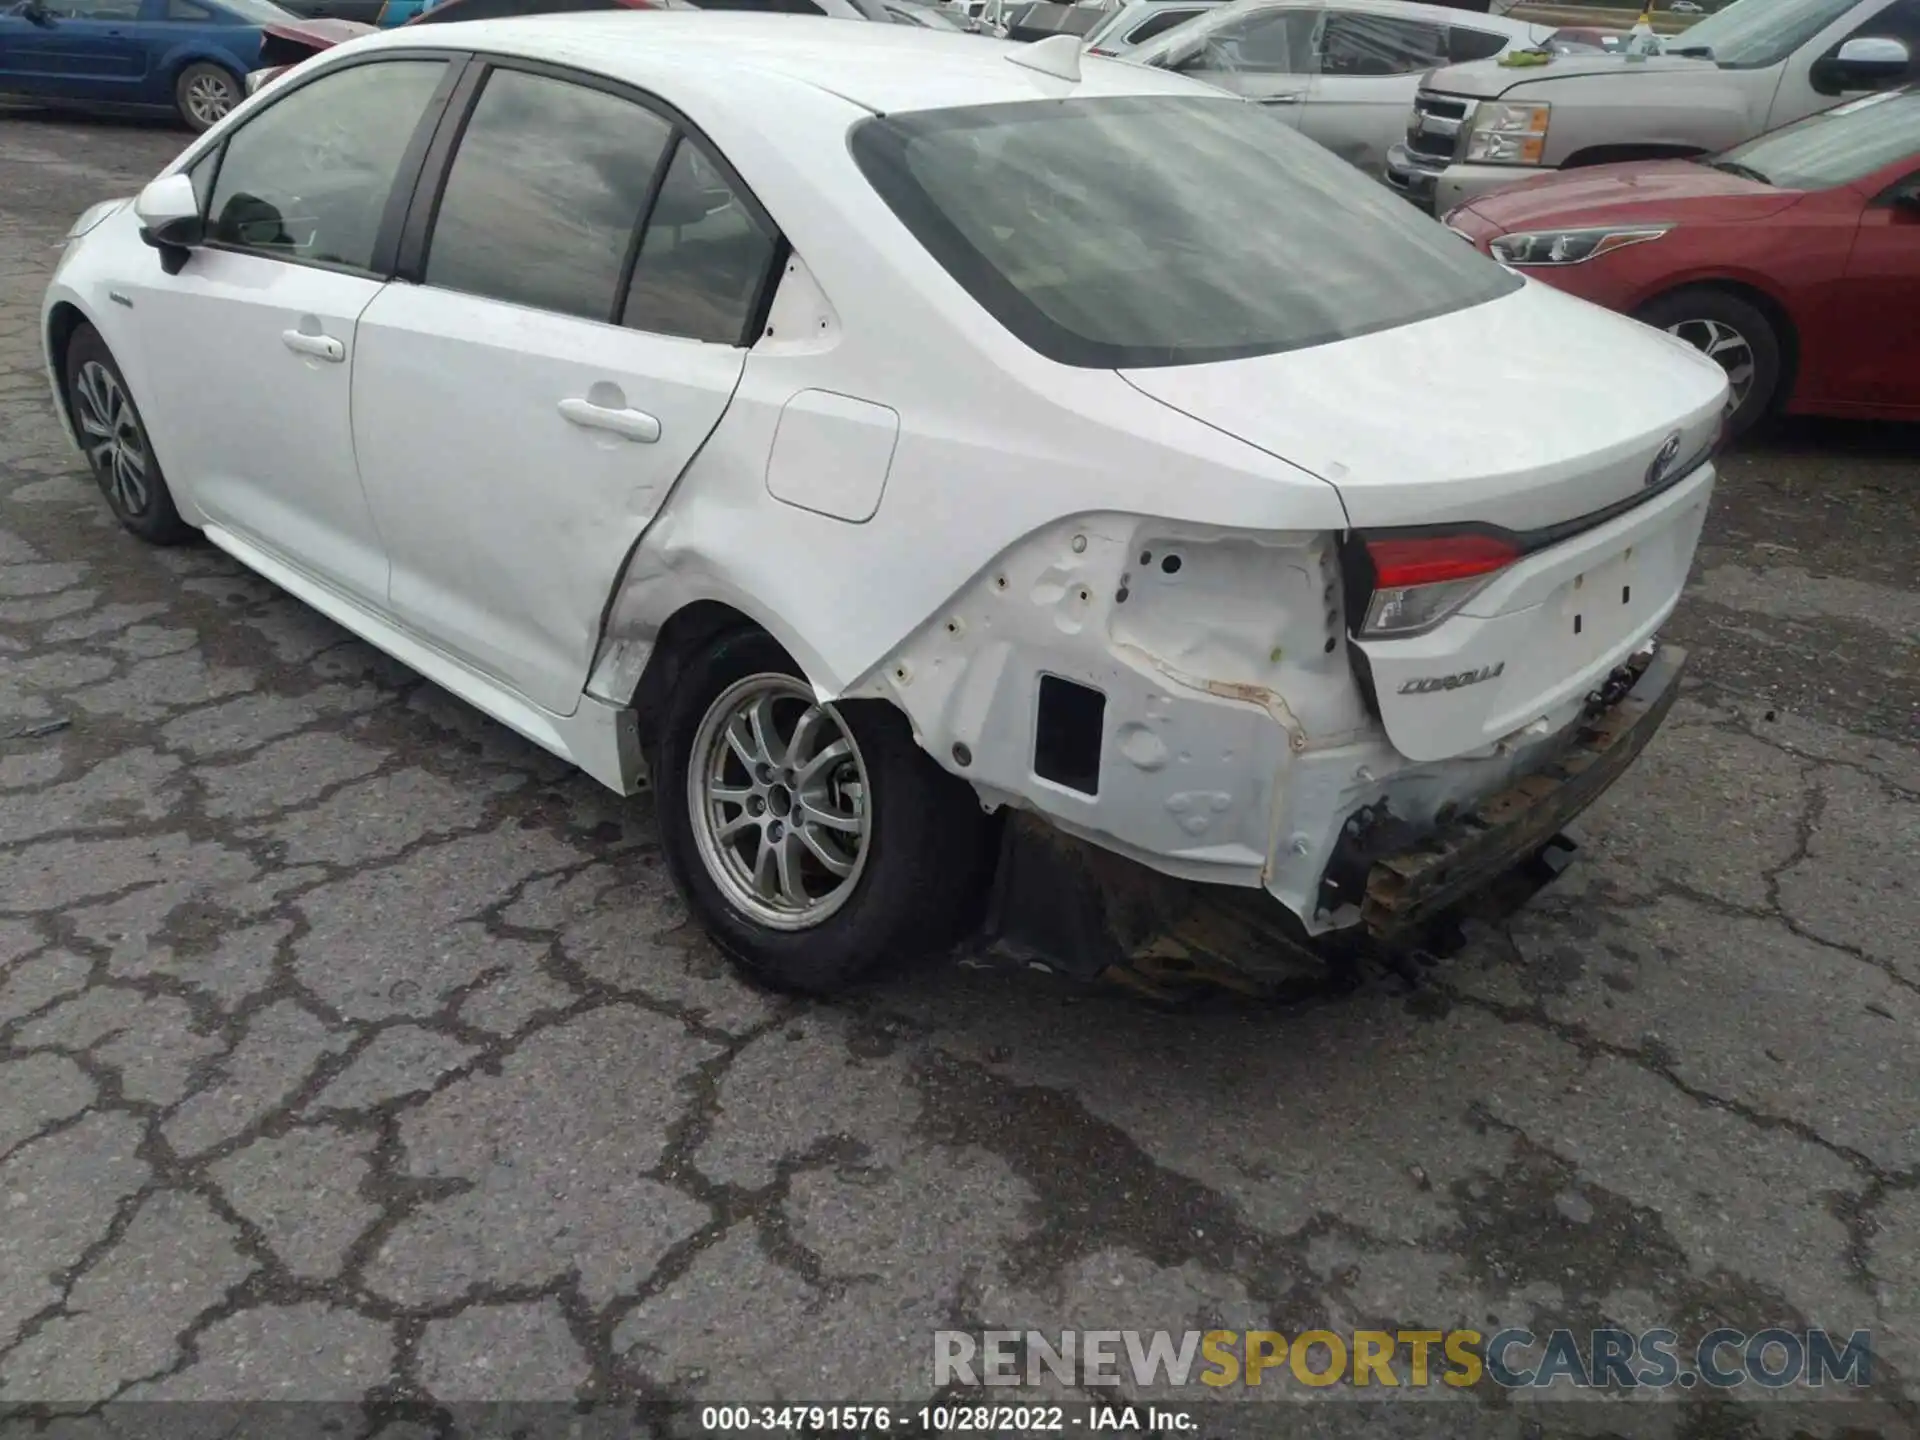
{"points": [[960, 1417]]}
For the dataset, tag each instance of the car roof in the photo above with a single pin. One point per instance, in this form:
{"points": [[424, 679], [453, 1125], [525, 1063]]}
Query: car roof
{"points": [[883, 68]]}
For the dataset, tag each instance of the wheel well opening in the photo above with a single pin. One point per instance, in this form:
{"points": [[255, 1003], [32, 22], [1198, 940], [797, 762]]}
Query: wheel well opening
{"points": [[1615, 154], [686, 630], [64, 320], [1776, 316]]}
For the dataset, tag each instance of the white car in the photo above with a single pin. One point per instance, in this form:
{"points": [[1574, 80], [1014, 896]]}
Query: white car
{"points": [[1342, 72], [989, 436], [1133, 24]]}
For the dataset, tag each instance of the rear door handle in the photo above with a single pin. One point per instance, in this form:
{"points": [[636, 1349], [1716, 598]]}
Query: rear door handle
{"points": [[633, 424], [1282, 99], [322, 347]]}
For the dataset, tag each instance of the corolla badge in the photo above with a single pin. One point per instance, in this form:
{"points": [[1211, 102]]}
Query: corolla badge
{"points": [[1427, 684], [1663, 459]]}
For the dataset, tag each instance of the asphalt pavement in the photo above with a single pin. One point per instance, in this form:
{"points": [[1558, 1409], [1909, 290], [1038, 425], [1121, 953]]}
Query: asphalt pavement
{"points": [[351, 1048]]}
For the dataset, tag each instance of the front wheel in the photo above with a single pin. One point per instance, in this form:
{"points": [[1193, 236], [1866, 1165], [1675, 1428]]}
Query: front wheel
{"points": [[114, 438], [204, 94], [813, 841], [1738, 336]]}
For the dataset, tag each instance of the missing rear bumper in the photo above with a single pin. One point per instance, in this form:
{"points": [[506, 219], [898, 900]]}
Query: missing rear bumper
{"points": [[1419, 881]]}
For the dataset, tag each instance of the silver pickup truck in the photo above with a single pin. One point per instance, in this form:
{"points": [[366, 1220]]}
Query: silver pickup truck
{"points": [[1755, 65]]}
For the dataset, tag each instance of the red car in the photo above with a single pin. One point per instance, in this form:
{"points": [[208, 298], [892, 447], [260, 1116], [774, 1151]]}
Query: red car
{"points": [[1793, 260]]}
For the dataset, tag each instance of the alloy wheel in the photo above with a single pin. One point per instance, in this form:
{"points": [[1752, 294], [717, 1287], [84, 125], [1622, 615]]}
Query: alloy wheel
{"points": [[777, 791], [1725, 345], [111, 434], [209, 97]]}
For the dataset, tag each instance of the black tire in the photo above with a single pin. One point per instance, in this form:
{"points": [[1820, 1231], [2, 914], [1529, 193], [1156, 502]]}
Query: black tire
{"points": [[926, 851], [143, 504], [1702, 314], [204, 92]]}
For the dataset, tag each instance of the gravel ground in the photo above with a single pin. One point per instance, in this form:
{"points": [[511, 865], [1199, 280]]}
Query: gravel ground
{"points": [[350, 1048]]}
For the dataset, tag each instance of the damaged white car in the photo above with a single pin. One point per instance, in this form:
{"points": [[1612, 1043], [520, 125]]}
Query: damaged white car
{"points": [[969, 489]]}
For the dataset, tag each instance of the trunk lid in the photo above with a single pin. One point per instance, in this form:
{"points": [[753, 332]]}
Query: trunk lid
{"points": [[1524, 412], [1530, 414]]}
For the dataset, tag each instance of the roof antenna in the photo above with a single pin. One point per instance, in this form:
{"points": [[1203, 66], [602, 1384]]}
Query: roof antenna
{"points": [[1057, 55]]}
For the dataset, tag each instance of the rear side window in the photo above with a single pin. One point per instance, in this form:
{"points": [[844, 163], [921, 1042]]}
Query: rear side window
{"points": [[308, 177], [1464, 44], [703, 260], [1159, 24], [1358, 43], [1163, 230], [545, 194], [1271, 41]]}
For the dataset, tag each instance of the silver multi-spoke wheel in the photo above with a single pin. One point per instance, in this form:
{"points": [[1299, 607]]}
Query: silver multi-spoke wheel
{"points": [[208, 97], [1719, 341], [110, 431], [778, 794]]}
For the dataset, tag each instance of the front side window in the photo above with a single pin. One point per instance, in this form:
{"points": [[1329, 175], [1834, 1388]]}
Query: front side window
{"points": [[1836, 147], [1239, 39], [1753, 34], [545, 195], [704, 257], [1163, 230], [1358, 43], [95, 9], [308, 177]]}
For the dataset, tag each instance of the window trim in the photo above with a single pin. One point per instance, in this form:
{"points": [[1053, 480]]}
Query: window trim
{"points": [[430, 186], [386, 238]]}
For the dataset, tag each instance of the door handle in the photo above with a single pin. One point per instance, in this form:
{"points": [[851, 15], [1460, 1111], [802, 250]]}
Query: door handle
{"points": [[633, 424], [321, 347], [1281, 99]]}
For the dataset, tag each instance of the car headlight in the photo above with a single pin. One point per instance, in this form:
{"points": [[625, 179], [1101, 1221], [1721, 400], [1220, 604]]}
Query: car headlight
{"points": [[1570, 247], [1501, 133]]}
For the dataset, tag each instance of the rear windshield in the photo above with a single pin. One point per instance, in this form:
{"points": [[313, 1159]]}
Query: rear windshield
{"points": [[1151, 230]]}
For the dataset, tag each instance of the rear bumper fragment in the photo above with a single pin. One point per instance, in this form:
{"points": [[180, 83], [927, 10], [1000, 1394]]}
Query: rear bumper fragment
{"points": [[1417, 883]]}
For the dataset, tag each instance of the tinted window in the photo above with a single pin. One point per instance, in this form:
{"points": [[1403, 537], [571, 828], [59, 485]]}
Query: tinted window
{"points": [[95, 9], [308, 177], [1464, 44], [1838, 147], [1258, 41], [1159, 25], [1360, 44], [187, 10], [456, 10], [773, 7], [1163, 230], [545, 195], [703, 260]]}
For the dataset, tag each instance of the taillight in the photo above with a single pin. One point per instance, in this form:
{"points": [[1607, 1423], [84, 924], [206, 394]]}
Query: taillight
{"points": [[1418, 581], [1096, 50]]}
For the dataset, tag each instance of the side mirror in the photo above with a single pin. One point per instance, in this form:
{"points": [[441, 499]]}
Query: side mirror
{"points": [[1862, 64], [1906, 199], [169, 215], [35, 13]]}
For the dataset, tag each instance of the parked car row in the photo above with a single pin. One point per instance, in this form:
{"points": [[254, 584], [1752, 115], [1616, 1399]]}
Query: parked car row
{"points": [[1792, 258]]}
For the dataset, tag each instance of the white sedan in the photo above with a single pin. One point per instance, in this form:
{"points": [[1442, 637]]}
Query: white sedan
{"points": [[870, 434]]}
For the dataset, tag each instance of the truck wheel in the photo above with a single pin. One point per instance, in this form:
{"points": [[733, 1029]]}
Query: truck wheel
{"points": [[114, 438], [204, 94], [1738, 335], [813, 841]]}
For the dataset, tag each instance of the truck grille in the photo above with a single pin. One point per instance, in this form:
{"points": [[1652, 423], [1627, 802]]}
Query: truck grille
{"points": [[1434, 129]]}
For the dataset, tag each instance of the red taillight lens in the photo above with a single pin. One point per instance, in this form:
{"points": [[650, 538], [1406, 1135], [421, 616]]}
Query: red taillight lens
{"points": [[1419, 581], [1432, 561]]}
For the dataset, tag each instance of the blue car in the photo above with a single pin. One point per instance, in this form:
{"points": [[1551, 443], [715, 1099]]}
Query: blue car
{"points": [[185, 57]]}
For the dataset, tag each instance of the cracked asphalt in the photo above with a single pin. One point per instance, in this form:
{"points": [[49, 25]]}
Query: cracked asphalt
{"points": [[352, 1049]]}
